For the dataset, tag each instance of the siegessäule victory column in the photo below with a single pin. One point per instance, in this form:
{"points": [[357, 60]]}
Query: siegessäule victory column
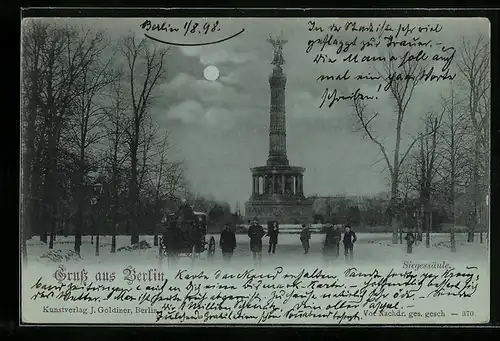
{"points": [[277, 187]]}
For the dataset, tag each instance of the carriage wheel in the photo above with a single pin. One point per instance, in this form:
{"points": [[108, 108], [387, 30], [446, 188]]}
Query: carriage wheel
{"points": [[211, 246]]}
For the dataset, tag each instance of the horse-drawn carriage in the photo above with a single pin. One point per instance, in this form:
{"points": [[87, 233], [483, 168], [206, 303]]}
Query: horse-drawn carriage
{"points": [[185, 234]]}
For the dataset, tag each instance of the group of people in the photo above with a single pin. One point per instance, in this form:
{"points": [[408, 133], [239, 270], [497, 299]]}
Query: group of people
{"points": [[331, 246], [227, 240]]}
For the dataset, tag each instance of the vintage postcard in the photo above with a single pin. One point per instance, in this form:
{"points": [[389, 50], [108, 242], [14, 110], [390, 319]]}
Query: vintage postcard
{"points": [[285, 171]]}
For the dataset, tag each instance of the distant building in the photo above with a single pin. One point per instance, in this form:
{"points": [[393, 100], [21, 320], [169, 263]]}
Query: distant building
{"points": [[323, 203]]}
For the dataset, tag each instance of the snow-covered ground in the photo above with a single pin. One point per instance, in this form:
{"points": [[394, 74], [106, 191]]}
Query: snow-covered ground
{"points": [[370, 249]]}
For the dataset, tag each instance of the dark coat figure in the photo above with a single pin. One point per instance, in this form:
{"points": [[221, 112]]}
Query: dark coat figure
{"points": [[227, 242], [332, 241], [337, 237], [187, 222], [256, 233], [410, 240], [349, 240], [272, 232], [173, 241], [196, 236], [305, 236]]}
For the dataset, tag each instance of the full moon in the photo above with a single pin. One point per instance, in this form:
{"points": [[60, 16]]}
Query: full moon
{"points": [[211, 73]]}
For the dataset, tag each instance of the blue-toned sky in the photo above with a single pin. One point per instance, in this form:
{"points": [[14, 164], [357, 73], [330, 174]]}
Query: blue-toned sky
{"points": [[220, 128]]}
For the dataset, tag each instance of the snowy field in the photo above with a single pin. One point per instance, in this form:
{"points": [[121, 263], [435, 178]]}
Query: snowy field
{"points": [[370, 249]]}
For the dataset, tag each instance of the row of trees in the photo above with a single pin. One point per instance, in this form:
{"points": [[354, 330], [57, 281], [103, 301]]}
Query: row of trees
{"points": [[446, 166], [87, 118], [373, 211]]}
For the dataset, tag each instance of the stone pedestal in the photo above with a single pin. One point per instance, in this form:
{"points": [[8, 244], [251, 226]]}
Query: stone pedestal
{"points": [[277, 194], [285, 212]]}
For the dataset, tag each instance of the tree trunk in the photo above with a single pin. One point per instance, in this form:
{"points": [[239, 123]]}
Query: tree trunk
{"points": [[488, 219], [394, 222], [24, 247], [418, 217], [114, 228], [427, 229], [52, 232], [453, 246], [113, 242], [476, 184], [65, 226], [78, 230], [114, 191], [472, 227], [481, 225], [97, 228], [97, 245], [134, 195], [430, 227], [30, 133], [134, 238], [470, 234], [427, 239]]}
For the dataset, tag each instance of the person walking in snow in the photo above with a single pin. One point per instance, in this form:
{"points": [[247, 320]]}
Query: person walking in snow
{"points": [[256, 233], [336, 238], [272, 232], [330, 243], [410, 240], [349, 240], [305, 236], [227, 242]]}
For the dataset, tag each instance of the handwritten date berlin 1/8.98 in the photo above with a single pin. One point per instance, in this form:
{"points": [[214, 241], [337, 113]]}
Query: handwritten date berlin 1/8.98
{"points": [[187, 28], [203, 28]]}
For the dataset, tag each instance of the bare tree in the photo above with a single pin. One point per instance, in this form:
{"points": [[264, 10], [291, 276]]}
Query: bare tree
{"points": [[85, 124], [145, 69], [427, 165], [115, 123], [474, 69], [64, 56], [409, 189], [401, 91], [453, 137], [34, 36], [168, 176], [149, 132]]}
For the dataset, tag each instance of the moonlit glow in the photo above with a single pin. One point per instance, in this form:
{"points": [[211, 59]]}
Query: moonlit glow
{"points": [[211, 73]]}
